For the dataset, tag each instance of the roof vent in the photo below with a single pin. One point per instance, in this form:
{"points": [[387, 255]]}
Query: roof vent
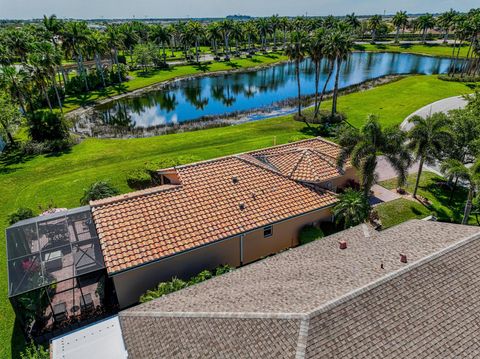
{"points": [[234, 179], [242, 206], [343, 244], [403, 258]]}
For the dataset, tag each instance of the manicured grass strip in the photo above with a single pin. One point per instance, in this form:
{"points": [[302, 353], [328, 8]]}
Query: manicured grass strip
{"points": [[61, 179], [400, 210], [434, 189], [430, 49], [395, 101], [139, 79]]}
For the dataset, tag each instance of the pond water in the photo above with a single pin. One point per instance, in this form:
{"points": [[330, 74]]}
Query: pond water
{"points": [[212, 97]]}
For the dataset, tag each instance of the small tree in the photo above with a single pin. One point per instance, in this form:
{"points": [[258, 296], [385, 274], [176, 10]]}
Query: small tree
{"points": [[98, 190], [470, 175], [428, 139], [20, 214], [47, 126], [10, 117], [352, 208]]}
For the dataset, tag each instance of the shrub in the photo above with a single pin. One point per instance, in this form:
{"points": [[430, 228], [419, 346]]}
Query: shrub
{"points": [[139, 179], [47, 126], [98, 190], [38, 148], [34, 352], [309, 234], [175, 284], [20, 214]]}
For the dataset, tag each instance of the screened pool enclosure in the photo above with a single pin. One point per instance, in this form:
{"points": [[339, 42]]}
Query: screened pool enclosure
{"points": [[56, 274]]}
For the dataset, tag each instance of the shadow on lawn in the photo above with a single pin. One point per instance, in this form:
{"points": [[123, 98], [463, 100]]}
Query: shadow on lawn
{"points": [[441, 191]]}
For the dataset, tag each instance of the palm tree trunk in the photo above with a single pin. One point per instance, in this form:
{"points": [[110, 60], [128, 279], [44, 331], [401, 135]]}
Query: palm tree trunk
{"points": [[284, 38], [454, 187], [118, 65], [317, 83], [468, 206], [196, 50], [297, 69], [335, 89], [57, 94], [397, 34], [419, 174], [99, 68], [9, 134], [48, 99], [330, 72]]}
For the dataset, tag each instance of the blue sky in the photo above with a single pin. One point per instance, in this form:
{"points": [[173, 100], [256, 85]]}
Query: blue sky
{"points": [[26, 9]]}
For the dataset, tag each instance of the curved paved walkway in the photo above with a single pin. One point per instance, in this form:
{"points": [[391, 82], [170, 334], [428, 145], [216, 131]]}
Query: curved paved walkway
{"points": [[445, 105], [384, 171]]}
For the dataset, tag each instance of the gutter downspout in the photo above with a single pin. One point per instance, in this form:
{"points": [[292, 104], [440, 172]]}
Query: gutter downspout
{"points": [[242, 237]]}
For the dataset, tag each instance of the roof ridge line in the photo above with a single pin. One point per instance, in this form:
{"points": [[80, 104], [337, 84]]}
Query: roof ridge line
{"points": [[298, 163], [218, 315], [376, 283], [302, 339], [134, 194]]}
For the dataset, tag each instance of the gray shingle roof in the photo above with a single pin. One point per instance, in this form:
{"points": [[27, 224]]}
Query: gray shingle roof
{"points": [[319, 301]]}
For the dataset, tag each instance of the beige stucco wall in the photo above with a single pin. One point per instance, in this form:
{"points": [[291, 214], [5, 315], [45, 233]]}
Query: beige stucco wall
{"points": [[285, 235], [339, 182], [130, 285]]}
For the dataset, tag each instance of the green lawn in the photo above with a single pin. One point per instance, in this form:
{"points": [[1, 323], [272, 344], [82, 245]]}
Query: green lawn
{"points": [[432, 188], [400, 210], [139, 79], [431, 50], [61, 179], [395, 101]]}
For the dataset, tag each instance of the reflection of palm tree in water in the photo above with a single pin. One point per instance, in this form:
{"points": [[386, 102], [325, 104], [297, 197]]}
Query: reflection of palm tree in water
{"points": [[222, 93], [167, 101], [118, 116], [193, 94]]}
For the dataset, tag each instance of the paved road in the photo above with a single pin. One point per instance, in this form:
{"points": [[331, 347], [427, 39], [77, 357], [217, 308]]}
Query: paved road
{"points": [[445, 105]]}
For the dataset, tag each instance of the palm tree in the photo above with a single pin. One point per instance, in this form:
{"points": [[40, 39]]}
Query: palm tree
{"points": [[15, 81], [97, 47], [427, 139], [263, 28], [341, 47], [352, 208], [237, 35], [115, 39], [471, 176], [250, 30], [75, 36], [353, 21], [130, 38], [161, 37], [362, 146], [446, 21], [214, 34], [54, 27], [197, 31], [296, 52], [274, 25], [226, 28], [10, 116], [315, 51], [425, 22], [374, 24], [285, 26], [400, 20]]}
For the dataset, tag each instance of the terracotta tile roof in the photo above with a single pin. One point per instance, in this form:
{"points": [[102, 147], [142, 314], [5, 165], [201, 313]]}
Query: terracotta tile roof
{"points": [[334, 303], [311, 160], [207, 206]]}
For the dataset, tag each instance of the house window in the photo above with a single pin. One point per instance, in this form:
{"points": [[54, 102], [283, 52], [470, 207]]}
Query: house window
{"points": [[267, 231]]}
